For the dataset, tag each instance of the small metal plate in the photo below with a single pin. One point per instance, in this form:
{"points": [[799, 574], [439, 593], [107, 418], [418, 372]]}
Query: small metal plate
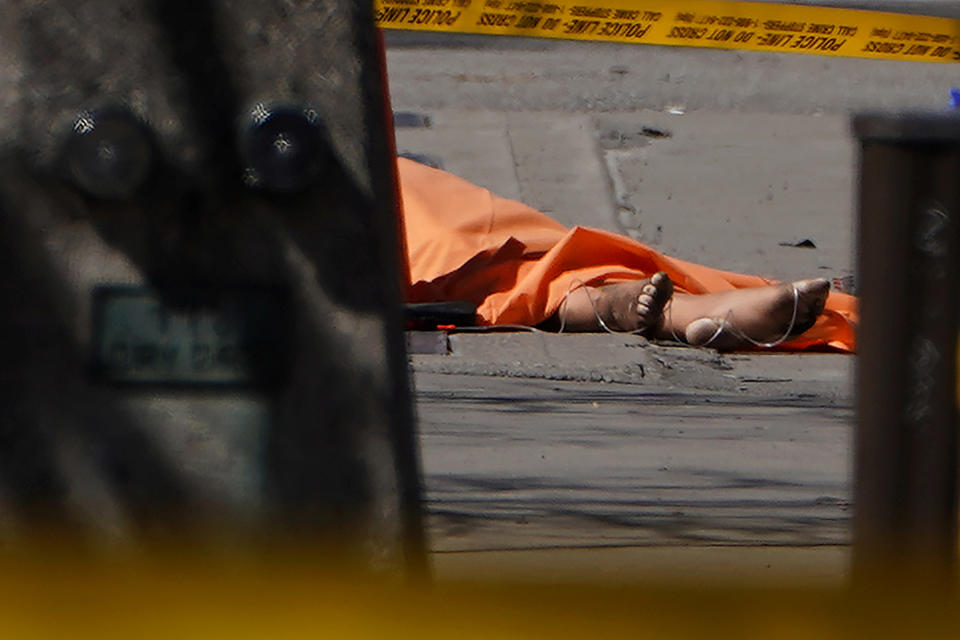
{"points": [[428, 342], [213, 337]]}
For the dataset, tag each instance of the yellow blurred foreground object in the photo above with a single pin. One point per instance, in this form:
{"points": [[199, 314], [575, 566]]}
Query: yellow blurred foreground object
{"points": [[185, 595], [750, 26]]}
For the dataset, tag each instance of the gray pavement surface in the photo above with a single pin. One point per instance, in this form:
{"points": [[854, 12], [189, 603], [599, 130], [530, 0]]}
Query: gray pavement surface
{"points": [[582, 450], [538, 463], [726, 158]]}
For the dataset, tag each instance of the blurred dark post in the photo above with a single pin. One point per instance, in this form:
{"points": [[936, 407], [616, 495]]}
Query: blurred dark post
{"points": [[200, 308], [905, 526]]}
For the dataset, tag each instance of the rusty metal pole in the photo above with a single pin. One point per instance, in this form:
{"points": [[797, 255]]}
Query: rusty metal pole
{"points": [[905, 525]]}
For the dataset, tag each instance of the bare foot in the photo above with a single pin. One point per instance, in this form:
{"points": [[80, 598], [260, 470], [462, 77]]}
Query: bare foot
{"points": [[732, 319], [626, 306]]}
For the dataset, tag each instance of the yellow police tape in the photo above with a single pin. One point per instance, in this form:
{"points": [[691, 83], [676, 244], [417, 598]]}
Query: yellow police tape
{"points": [[691, 23]]}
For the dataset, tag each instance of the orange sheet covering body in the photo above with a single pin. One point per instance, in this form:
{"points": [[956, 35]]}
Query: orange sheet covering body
{"points": [[516, 264]]}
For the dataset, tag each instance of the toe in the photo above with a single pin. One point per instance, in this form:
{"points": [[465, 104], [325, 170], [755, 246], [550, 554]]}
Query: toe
{"points": [[662, 287]]}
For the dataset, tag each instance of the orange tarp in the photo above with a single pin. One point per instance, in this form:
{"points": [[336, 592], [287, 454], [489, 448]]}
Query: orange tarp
{"points": [[516, 264]]}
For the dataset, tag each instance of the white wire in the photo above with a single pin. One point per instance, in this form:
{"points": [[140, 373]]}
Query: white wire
{"points": [[575, 284], [726, 323]]}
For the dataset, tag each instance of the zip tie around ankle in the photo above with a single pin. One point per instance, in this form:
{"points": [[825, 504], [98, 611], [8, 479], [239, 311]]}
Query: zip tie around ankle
{"points": [[575, 284]]}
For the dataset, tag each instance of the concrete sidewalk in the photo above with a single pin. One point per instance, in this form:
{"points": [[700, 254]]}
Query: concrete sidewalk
{"points": [[730, 190], [721, 157]]}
